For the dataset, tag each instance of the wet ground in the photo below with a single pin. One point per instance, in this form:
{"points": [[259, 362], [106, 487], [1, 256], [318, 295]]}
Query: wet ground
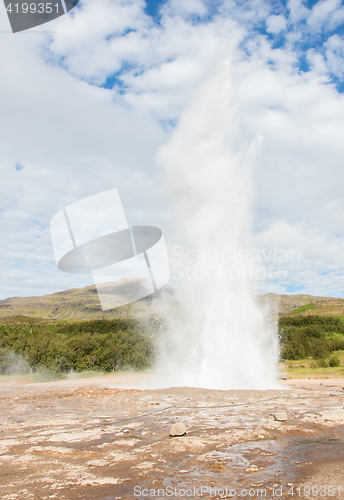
{"points": [[86, 439]]}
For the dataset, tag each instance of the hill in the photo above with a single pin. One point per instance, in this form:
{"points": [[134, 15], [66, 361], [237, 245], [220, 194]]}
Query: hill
{"points": [[302, 304], [83, 303]]}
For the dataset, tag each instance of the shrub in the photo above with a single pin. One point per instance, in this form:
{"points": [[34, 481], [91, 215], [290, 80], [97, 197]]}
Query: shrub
{"points": [[104, 345], [334, 361], [310, 336]]}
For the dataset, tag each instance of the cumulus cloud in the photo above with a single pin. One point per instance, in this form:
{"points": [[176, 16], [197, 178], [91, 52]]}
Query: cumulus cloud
{"points": [[276, 24], [335, 55], [86, 107], [325, 14]]}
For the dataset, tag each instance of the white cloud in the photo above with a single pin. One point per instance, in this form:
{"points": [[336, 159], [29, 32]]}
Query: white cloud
{"points": [[163, 63], [99, 36], [184, 8], [313, 260], [297, 11], [74, 139], [335, 55], [71, 140], [323, 12], [276, 24]]}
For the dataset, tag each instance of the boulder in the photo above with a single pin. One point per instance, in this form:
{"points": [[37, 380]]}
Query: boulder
{"points": [[178, 429], [281, 415]]}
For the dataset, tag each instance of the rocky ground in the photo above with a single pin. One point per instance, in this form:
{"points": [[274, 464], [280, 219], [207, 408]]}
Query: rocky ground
{"points": [[87, 439]]}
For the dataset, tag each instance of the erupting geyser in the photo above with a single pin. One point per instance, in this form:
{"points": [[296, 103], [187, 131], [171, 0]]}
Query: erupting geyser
{"points": [[218, 337]]}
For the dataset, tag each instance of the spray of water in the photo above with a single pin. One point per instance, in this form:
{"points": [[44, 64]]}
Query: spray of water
{"points": [[217, 335]]}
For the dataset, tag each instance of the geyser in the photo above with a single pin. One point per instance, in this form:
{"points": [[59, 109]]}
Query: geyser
{"points": [[217, 335]]}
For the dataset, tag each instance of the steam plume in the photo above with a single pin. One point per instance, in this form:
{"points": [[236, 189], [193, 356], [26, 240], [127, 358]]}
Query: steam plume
{"points": [[217, 336]]}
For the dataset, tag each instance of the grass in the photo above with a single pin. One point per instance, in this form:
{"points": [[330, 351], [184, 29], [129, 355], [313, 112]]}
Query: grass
{"points": [[45, 375], [48, 376], [334, 335], [302, 308], [22, 377], [309, 368]]}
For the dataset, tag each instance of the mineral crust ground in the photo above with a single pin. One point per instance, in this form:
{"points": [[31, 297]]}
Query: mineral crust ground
{"points": [[91, 439]]}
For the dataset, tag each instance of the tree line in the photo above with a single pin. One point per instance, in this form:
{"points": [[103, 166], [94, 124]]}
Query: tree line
{"points": [[310, 336], [97, 345], [110, 345]]}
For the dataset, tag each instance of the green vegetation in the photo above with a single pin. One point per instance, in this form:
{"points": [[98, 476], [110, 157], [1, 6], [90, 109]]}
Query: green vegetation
{"points": [[303, 308], [97, 345], [334, 361], [310, 368], [311, 336], [32, 345]]}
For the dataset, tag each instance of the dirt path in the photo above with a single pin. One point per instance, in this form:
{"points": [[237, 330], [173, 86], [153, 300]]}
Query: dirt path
{"points": [[87, 439]]}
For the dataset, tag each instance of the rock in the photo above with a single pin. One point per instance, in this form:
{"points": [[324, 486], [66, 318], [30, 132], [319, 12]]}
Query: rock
{"points": [[253, 468], [178, 429], [281, 415]]}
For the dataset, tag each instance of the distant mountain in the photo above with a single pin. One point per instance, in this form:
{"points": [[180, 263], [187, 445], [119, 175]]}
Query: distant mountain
{"points": [[83, 303]]}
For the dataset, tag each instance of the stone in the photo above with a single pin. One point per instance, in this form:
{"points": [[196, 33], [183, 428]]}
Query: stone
{"points": [[253, 468], [281, 415], [178, 429]]}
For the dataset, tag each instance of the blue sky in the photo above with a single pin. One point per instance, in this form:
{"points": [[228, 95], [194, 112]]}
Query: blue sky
{"points": [[298, 27], [92, 104], [318, 35]]}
